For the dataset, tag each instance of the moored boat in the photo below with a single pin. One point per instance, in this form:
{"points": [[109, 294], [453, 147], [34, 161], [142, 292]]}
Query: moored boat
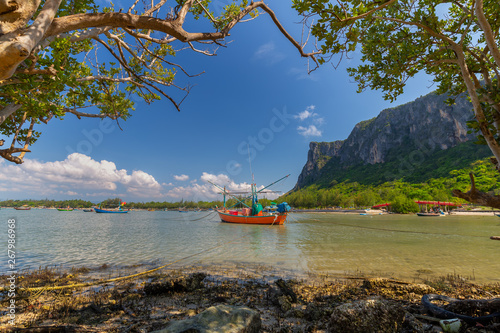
{"points": [[429, 214], [98, 210], [22, 208], [254, 214], [119, 210], [88, 210], [270, 219]]}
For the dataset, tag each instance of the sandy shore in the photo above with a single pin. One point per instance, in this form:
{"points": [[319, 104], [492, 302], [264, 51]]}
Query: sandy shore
{"points": [[285, 304], [475, 212]]}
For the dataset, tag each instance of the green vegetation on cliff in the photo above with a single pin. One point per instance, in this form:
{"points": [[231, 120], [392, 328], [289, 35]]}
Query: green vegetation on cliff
{"points": [[351, 193], [410, 164]]}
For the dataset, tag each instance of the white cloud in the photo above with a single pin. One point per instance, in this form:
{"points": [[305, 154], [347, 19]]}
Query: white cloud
{"points": [[181, 177], [309, 131], [208, 192], [312, 118], [268, 53], [77, 175], [307, 113], [319, 121]]}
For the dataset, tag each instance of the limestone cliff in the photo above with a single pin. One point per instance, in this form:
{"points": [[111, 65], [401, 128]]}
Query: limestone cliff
{"points": [[424, 125]]}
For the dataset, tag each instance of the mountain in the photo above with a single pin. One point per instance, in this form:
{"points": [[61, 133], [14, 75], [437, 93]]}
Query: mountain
{"points": [[414, 142]]}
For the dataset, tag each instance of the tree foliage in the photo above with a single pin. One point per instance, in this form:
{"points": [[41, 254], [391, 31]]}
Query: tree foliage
{"points": [[454, 41], [73, 56]]}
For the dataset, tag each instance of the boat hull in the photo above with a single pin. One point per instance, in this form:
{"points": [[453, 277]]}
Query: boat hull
{"points": [[65, 209], [428, 214], [263, 219], [97, 210]]}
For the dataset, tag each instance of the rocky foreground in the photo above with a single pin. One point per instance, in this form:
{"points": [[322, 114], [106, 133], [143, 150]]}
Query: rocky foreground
{"points": [[204, 300]]}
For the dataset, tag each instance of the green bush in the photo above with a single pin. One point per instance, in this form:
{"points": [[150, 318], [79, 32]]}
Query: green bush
{"points": [[404, 205]]}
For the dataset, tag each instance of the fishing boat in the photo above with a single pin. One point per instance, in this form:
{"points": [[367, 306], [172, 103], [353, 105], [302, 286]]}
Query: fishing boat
{"points": [[253, 214], [120, 209], [88, 210], [22, 208], [67, 209], [428, 214]]}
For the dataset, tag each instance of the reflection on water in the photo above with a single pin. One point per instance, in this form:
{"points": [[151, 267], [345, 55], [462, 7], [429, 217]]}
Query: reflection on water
{"points": [[384, 245]]}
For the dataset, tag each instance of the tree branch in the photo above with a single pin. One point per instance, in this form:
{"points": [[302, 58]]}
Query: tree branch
{"points": [[488, 33], [7, 111], [478, 197]]}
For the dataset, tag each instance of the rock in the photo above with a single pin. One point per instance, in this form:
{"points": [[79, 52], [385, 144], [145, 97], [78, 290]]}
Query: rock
{"points": [[182, 284], [284, 303], [401, 288], [371, 315], [218, 319], [425, 125], [286, 290], [414, 325]]}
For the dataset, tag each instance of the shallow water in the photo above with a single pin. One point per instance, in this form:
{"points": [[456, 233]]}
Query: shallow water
{"points": [[406, 247]]}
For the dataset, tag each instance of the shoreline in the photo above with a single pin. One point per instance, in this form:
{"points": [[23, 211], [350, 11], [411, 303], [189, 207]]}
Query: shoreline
{"points": [[284, 303]]}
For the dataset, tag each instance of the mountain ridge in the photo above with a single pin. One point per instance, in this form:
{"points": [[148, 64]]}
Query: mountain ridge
{"points": [[415, 134]]}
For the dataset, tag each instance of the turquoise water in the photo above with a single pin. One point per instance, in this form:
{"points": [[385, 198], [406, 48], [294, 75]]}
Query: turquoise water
{"points": [[406, 247]]}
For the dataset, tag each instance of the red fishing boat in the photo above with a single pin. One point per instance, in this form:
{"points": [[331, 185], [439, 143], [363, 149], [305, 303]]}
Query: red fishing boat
{"points": [[271, 218], [253, 214]]}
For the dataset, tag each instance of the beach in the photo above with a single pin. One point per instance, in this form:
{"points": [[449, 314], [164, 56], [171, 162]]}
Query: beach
{"points": [[284, 304]]}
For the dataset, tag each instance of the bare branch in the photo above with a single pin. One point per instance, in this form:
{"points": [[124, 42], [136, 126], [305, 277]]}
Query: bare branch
{"points": [[79, 114], [200, 51], [181, 15], [137, 35], [132, 7]]}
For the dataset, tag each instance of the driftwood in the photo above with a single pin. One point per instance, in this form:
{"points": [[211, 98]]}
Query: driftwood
{"points": [[478, 197]]}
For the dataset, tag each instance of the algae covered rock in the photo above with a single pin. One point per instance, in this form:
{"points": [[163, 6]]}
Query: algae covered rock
{"points": [[371, 315], [218, 319], [178, 284]]}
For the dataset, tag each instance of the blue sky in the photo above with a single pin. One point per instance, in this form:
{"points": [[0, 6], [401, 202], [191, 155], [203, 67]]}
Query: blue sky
{"points": [[254, 95]]}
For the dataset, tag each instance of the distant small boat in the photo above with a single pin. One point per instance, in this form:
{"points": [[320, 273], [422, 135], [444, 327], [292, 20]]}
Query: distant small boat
{"points": [[98, 210], [67, 209], [87, 210], [22, 208], [119, 210], [428, 214]]}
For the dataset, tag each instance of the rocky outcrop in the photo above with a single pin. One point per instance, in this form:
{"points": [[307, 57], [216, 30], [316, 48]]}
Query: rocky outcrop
{"points": [[318, 155], [218, 319], [371, 315], [427, 123]]}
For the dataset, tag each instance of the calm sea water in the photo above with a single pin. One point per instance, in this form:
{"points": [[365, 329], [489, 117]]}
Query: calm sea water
{"points": [[398, 246]]}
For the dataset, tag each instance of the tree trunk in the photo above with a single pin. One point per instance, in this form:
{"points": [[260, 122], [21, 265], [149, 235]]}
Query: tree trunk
{"points": [[478, 197]]}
